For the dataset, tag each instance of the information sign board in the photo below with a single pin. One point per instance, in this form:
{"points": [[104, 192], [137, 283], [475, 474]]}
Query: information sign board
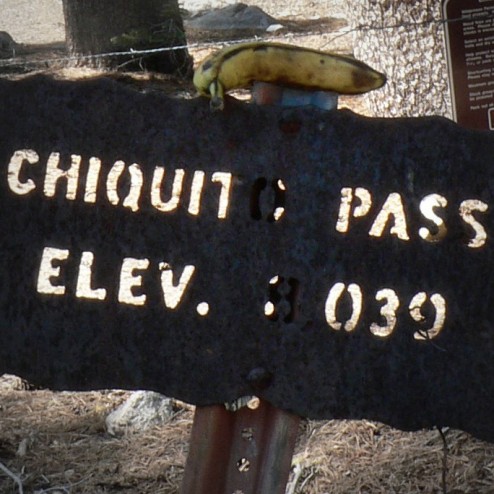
{"points": [[334, 265], [469, 30]]}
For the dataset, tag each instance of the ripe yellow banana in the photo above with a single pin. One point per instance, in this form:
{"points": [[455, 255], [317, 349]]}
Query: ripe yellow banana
{"points": [[238, 66]]}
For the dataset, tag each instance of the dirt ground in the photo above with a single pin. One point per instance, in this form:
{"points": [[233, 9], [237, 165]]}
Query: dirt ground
{"points": [[57, 442]]}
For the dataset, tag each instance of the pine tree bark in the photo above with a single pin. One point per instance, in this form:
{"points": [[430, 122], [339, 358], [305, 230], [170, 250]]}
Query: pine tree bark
{"points": [[405, 40], [93, 27]]}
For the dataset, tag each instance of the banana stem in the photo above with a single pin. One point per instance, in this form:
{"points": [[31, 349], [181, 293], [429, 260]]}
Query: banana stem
{"points": [[217, 92]]}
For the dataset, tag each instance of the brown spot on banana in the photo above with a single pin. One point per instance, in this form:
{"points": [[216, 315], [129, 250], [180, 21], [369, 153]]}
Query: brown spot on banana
{"points": [[362, 80]]}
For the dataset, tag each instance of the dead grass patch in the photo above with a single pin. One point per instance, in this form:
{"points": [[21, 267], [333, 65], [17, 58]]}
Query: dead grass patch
{"points": [[57, 443]]}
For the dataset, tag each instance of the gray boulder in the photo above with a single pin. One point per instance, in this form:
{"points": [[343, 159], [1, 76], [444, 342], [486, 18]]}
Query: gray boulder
{"points": [[238, 16], [143, 410], [7, 45], [9, 382]]}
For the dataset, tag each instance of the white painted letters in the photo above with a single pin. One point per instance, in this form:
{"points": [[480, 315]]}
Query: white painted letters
{"points": [[166, 190], [112, 182], [439, 305], [92, 180], [136, 181], [14, 170], [196, 192], [393, 207], [47, 271], [332, 301], [131, 289], [130, 280], [225, 179], [172, 294], [156, 200], [347, 194], [54, 173], [388, 311], [466, 209], [83, 289], [428, 206]]}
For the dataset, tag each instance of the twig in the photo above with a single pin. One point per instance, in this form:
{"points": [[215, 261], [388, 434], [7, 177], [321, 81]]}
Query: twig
{"points": [[63, 488], [53, 489], [306, 480], [13, 476], [297, 470]]}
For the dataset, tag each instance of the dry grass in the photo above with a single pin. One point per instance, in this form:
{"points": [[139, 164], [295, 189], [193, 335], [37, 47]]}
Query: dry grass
{"points": [[57, 443], [368, 457]]}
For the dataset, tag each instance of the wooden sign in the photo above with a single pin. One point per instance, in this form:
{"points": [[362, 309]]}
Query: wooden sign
{"points": [[469, 30], [336, 266]]}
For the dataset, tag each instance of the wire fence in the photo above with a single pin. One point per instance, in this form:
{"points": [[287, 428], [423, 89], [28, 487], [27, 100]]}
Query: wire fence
{"points": [[16, 60]]}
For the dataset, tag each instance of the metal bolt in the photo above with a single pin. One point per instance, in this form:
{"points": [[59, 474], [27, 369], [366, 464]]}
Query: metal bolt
{"points": [[259, 378]]}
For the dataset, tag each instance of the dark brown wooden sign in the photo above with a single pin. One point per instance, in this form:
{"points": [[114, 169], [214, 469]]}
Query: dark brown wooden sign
{"points": [[336, 266], [469, 30]]}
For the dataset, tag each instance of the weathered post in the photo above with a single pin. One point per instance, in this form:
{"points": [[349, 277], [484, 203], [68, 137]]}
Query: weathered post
{"points": [[248, 450]]}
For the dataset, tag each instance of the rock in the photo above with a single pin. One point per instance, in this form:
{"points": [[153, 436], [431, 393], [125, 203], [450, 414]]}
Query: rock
{"points": [[7, 45], [9, 382], [143, 410], [273, 28], [238, 16]]}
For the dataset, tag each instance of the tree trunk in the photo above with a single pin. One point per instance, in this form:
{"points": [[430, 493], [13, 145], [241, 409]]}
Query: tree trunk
{"points": [[403, 39], [93, 27]]}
